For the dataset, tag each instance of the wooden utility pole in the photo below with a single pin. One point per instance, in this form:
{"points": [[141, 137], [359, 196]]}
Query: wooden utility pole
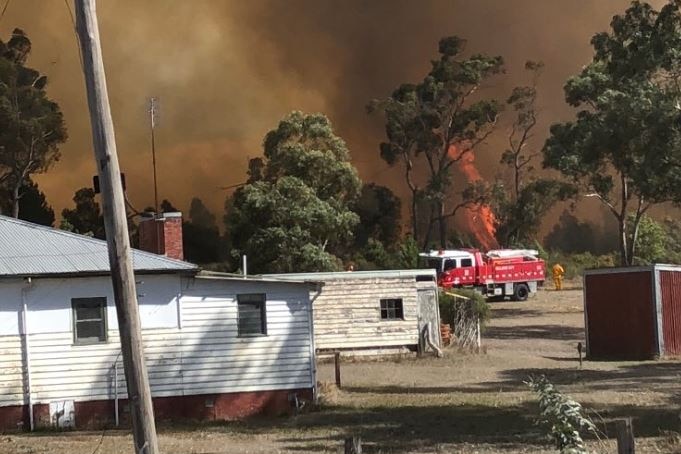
{"points": [[115, 222], [625, 436]]}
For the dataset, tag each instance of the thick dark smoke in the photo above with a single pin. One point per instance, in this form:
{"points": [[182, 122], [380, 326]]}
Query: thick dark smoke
{"points": [[226, 72]]}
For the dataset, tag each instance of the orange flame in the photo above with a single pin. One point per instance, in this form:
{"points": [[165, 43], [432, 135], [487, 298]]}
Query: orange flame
{"points": [[480, 220]]}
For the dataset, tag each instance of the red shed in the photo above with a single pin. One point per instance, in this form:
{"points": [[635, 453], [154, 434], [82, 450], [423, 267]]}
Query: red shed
{"points": [[633, 313]]}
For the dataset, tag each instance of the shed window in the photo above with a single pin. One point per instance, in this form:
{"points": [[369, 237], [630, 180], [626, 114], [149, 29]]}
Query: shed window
{"points": [[89, 320], [252, 319], [391, 309]]}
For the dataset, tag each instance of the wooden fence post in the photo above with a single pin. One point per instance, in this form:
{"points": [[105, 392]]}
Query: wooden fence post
{"points": [[353, 445], [336, 360], [625, 436]]}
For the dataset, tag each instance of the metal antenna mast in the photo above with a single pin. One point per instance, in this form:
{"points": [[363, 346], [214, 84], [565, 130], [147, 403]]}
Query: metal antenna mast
{"points": [[152, 118]]}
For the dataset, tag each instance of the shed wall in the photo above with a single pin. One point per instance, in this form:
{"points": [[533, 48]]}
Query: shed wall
{"points": [[347, 314], [670, 296], [620, 315]]}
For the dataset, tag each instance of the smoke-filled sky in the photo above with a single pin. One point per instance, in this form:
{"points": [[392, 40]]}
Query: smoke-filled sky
{"points": [[225, 72]]}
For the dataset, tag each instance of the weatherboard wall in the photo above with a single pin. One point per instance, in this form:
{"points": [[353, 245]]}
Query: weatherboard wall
{"points": [[347, 314], [190, 341]]}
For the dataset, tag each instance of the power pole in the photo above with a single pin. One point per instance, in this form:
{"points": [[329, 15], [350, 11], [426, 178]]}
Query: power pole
{"points": [[152, 119], [115, 222]]}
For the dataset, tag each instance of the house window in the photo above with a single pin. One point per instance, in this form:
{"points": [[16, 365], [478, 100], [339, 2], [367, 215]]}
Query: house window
{"points": [[89, 320], [252, 318], [391, 309]]}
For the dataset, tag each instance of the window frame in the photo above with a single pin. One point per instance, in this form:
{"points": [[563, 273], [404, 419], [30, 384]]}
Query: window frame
{"points": [[103, 307], [452, 260], [398, 312], [263, 313]]}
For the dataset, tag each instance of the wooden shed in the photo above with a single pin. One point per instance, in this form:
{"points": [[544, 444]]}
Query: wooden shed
{"points": [[374, 312], [633, 313]]}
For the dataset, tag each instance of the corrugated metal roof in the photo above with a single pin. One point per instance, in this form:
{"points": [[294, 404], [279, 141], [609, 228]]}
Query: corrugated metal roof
{"points": [[203, 274], [28, 249], [386, 274]]}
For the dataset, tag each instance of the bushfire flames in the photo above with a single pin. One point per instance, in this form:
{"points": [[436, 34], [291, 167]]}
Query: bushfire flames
{"points": [[479, 219]]}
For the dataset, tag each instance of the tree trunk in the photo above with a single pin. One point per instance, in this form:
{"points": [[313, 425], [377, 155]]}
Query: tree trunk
{"points": [[623, 240], [414, 216], [426, 238], [517, 178], [15, 199], [442, 224], [625, 259], [634, 235]]}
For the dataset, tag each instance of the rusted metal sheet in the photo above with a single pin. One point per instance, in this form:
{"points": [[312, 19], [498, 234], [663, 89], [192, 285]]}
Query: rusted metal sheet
{"points": [[620, 315], [670, 294]]}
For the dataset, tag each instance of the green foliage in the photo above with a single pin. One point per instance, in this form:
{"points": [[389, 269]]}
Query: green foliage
{"points": [[575, 264], [200, 235], [562, 415], [658, 242], [379, 212], [520, 208], [672, 228], [651, 241], [33, 206], [298, 216], [435, 123], [518, 220], [372, 256], [570, 235], [407, 256], [31, 125], [473, 307], [625, 144], [375, 256], [168, 207], [86, 217]]}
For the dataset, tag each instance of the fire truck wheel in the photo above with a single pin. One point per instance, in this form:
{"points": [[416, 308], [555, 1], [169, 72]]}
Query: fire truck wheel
{"points": [[521, 292]]}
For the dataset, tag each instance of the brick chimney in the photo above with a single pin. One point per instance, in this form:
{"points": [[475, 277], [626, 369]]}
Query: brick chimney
{"points": [[162, 235]]}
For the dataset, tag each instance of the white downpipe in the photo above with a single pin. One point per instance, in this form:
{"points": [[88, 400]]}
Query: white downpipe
{"points": [[116, 391], [27, 349]]}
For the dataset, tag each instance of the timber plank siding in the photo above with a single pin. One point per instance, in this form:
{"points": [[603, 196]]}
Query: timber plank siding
{"points": [[347, 309]]}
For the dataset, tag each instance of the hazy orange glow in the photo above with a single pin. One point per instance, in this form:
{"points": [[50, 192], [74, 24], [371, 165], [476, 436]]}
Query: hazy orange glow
{"points": [[479, 219]]}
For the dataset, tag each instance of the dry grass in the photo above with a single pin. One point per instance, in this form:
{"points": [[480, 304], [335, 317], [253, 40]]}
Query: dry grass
{"points": [[463, 403]]}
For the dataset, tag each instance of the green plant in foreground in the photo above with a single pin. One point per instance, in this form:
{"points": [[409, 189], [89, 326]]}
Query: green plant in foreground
{"points": [[563, 415]]}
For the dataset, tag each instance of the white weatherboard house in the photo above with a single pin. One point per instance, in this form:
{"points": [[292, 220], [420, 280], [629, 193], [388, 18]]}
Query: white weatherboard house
{"points": [[374, 312], [217, 346]]}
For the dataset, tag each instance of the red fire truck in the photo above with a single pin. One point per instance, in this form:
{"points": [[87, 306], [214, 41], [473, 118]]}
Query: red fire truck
{"points": [[496, 274]]}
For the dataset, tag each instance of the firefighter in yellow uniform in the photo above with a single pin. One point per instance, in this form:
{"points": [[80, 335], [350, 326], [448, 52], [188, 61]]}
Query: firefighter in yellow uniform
{"points": [[558, 272]]}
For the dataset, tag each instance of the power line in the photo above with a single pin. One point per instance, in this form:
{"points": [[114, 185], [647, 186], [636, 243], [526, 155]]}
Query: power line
{"points": [[4, 8], [75, 32]]}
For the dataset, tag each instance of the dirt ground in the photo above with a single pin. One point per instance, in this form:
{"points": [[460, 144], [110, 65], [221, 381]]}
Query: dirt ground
{"points": [[463, 403]]}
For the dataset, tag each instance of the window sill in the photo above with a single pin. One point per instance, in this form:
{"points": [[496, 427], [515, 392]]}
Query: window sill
{"points": [[85, 343], [246, 336]]}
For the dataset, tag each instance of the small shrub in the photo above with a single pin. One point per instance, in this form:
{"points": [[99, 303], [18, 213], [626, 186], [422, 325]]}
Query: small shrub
{"points": [[451, 307], [563, 415], [462, 314]]}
